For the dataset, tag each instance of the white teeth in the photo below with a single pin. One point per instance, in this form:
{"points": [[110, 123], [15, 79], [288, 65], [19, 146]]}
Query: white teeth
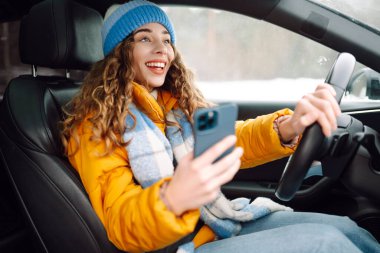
{"points": [[155, 64]]}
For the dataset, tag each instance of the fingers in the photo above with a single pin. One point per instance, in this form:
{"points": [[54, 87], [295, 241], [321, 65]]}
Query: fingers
{"points": [[326, 91], [224, 174], [311, 113], [198, 181], [319, 106], [226, 168], [322, 111], [215, 151], [221, 172], [326, 86]]}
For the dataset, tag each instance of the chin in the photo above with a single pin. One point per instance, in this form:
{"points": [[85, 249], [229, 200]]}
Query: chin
{"points": [[155, 84]]}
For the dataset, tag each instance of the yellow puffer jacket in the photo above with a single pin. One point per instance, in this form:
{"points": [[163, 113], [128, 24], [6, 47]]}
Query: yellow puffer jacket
{"points": [[136, 219]]}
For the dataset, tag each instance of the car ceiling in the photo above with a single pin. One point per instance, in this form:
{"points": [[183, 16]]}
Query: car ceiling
{"points": [[11, 10]]}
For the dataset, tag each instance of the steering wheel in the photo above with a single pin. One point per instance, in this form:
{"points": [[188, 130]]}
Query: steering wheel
{"points": [[312, 138]]}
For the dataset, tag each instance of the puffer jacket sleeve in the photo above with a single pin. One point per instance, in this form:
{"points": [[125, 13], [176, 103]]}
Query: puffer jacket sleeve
{"points": [[260, 141], [135, 219]]}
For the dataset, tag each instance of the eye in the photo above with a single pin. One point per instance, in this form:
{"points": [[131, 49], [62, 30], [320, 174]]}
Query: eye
{"points": [[145, 39], [167, 41]]}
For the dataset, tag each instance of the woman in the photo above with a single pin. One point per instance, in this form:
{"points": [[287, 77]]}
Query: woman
{"points": [[128, 129]]}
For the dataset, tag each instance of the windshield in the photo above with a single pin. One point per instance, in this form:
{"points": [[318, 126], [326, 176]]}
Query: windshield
{"points": [[365, 11]]}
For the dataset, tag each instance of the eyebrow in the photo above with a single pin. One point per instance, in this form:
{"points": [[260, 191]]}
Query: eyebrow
{"points": [[148, 31]]}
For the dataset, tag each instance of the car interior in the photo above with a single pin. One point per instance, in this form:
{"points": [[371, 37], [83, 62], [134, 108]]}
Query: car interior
{"points": [[44, 206]]}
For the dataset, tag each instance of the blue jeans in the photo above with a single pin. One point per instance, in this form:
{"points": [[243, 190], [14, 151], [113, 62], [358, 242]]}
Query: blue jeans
{"points": [[296, 232]]}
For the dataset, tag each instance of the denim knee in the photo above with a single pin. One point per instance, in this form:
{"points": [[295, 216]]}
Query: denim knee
{"points": [[349, 227], [328, 238]]}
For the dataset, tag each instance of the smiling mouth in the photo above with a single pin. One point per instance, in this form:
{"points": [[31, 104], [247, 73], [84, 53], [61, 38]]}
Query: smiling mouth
{"points": [[156, 65]]}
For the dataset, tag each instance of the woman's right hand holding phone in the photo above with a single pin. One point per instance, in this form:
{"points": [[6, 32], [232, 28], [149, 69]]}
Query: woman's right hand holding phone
{"points": [[197, 181]]}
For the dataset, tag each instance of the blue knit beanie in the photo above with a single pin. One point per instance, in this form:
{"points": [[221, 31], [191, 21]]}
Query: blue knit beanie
{"points": [[127, 18]]}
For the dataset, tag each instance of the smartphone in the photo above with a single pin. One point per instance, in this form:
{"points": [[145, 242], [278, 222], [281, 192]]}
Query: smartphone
{"points": [[212, 125]]}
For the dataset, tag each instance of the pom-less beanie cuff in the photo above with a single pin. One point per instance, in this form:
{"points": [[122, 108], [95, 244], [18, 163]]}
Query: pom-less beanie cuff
{"points": [[130, 16]]}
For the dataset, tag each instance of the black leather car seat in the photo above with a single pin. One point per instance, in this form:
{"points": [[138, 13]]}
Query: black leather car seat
{"points": [[65, 35]]}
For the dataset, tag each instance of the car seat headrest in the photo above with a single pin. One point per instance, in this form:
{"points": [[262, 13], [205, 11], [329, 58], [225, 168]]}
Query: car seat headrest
{"points": [[61, 34]]}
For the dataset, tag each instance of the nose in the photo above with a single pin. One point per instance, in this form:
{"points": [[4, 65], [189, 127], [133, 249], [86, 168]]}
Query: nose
{"points": [[160, 48]]}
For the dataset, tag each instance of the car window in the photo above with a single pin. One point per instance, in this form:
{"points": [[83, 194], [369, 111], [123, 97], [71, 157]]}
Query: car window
{"points": [[10, 63], [234, 58], [239, 58]]}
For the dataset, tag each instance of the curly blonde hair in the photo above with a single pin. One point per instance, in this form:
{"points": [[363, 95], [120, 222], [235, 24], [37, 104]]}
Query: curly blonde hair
{"points": [[107, 92]]}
